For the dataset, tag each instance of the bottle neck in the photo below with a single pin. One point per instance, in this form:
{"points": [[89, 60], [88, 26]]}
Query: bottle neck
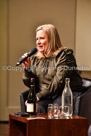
{"points": [[67, 82], [32, 85]]}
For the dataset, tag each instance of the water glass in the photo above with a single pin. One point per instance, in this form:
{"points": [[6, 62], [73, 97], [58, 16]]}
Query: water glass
{"points": [[56, 111], [50, 111], [64, 112], [60, 112]]}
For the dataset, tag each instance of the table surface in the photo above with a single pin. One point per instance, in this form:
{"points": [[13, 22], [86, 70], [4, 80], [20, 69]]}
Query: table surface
{"points": [[43, 116]]}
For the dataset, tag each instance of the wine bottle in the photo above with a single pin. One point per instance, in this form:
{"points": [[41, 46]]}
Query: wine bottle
{"points": [[67, 98], [32, 100]]}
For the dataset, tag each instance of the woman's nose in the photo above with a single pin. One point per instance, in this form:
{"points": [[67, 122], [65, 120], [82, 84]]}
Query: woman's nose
{"points": [[38, 41]]}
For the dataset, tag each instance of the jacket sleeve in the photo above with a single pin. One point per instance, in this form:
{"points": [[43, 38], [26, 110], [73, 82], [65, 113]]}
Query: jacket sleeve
{"points": [[65, 61], [27, 74]]}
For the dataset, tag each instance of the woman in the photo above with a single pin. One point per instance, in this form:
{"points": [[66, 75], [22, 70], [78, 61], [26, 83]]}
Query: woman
{"points": [[50, 66]]}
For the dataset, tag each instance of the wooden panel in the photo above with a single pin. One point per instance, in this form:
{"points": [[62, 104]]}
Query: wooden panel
{"points": [[83, 34]]}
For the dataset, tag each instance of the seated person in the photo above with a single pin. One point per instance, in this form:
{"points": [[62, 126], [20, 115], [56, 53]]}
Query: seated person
{"points": [[50, 66]]}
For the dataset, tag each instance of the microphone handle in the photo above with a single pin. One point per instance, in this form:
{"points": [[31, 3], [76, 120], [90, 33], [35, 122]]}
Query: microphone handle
{"points": [[22, 60]]}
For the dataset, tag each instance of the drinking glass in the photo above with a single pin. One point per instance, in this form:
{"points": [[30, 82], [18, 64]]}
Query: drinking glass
{"points": [[56, 111], [50, 111], [64, 112]]}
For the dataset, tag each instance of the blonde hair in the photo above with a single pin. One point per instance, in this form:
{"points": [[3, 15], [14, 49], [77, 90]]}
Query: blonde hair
{"points": [[54, 42]]}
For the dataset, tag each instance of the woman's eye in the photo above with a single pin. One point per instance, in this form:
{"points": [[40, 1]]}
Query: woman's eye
{"points": [[42, 37]]}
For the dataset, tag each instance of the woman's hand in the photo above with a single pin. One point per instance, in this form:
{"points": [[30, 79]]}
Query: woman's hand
{"points": [[37, 101], [26, 63], [26, 103]]}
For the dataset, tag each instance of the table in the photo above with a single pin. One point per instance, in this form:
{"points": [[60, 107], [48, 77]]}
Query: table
{"points": [[40, 125]]}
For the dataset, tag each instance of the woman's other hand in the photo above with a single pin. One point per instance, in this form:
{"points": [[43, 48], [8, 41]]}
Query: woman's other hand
{"points": [[26, 103], [38, 99]]}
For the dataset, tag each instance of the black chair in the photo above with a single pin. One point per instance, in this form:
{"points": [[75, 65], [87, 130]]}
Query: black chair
{"points": [[82, 104], [83, 101], [23, 98]]}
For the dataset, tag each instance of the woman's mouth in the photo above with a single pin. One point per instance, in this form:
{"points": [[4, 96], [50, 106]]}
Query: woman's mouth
{"points": [[40, 46]]}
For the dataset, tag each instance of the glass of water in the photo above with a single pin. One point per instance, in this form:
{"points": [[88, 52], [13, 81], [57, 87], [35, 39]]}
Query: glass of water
{"points": [[50, 111], [56, 111]]}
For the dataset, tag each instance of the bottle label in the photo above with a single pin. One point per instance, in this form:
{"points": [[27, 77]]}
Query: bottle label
{"points": [[30, 107]]}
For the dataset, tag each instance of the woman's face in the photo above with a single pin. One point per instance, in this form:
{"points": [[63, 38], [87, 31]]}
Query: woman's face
{"points": [[41, 40]]}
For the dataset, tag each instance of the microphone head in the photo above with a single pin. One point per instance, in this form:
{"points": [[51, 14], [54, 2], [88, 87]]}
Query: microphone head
{"points": [[33, 51]]}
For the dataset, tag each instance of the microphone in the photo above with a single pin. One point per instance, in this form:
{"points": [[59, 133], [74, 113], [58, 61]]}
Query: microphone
{"points": [[33, 51]]}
